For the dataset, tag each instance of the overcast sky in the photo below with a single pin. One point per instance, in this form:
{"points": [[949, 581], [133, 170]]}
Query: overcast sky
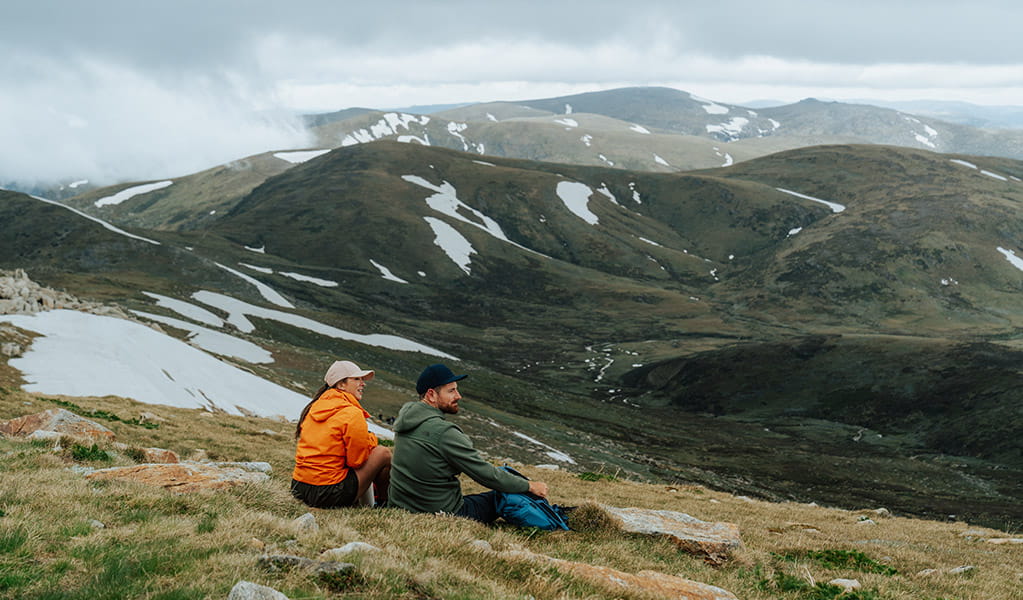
{"points": [[142, 89]]}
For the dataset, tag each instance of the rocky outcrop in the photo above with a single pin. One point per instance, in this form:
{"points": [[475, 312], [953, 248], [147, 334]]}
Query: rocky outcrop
{"points": [[182, 477], [653, 583], [21, 295], [57, 420], [689, 533]]}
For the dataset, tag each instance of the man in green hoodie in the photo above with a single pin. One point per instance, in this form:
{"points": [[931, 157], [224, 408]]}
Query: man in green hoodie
{"points": [[430, 452]]}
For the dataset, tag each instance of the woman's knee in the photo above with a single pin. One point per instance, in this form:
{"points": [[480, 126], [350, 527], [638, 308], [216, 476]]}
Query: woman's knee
{"points": [[382, 453]]}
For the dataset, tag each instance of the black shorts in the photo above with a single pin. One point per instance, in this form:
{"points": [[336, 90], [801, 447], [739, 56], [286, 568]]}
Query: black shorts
{"points": [[342, 493]]}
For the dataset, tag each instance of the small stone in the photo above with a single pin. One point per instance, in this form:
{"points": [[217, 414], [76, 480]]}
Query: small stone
{"points": [[928, 572], [306, 522], [847, 584], [882, 512], [961, 570], [863, 521], [148, 417], [257, 544], [335, 553], [1005, 541], [246, 590], [96, 524]]}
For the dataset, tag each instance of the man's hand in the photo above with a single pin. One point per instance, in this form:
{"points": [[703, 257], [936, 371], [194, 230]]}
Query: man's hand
{"points": [[539, 488]]}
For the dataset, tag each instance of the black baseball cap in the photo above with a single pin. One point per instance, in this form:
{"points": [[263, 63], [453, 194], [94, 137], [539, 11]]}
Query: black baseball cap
{"points": [[435, 376]]}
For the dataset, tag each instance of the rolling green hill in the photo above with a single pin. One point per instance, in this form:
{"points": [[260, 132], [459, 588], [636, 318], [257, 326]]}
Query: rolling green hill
{"points": [[737, 326]]}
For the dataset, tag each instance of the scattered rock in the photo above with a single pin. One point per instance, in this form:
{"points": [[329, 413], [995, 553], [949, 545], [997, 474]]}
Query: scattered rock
{"points": [[975, 533], [148, 417], [96, 524], [285, 562], [882, 512], [246, 590], [651, 582], [306, 522], [11, 349], [690, 534], [847, 584], [961, 570], [1004, 540], [864, 521], [348, 548], [59, 420], [182, 477], [257, 543], [269, 433]]}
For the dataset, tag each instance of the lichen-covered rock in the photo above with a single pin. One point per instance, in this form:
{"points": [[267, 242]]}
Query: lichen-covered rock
{"points": [[184, 477], [689, 533], [59, 420]]}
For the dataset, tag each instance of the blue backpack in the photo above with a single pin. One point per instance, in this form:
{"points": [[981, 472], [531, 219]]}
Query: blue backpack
{"points": [[529, 510]]}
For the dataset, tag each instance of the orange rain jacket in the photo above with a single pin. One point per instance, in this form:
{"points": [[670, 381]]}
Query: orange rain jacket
{"points": [[335, 437]]}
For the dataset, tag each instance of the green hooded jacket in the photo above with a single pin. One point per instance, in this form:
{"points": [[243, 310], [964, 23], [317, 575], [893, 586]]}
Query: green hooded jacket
{"points": [[429, 453]]}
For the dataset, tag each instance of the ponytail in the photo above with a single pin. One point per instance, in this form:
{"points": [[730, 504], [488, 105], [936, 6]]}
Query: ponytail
{"points": [[305, 411]]}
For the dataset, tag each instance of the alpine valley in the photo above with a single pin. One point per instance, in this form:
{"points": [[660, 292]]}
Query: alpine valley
{"points": [[819, 302]]}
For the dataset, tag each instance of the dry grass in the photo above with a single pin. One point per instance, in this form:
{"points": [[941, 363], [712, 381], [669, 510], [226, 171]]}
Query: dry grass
{"points": [[158, 545]]}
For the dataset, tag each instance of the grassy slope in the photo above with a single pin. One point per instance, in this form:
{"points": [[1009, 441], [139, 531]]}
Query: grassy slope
{"points": [[158, 545]]}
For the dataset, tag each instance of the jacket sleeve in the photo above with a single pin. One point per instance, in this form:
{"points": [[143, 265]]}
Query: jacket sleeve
{"points": [[358, 440], [458, 450]]}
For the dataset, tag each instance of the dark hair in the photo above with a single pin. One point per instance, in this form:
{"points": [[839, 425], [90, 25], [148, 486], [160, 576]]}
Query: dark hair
{"points": [[305, 411]]}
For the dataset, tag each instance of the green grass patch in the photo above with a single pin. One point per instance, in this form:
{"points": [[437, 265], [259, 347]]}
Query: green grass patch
{"points": [[12, 539], [841, 559], [81, 453], [798, 588]]}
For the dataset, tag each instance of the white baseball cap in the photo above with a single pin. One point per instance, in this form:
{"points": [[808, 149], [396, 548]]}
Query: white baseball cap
{"points": [[344, 369]]}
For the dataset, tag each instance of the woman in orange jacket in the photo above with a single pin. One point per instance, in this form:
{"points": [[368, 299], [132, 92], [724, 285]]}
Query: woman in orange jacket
{"points": [[337, 458]]}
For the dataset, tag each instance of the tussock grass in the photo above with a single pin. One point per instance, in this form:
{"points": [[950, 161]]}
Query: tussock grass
{"points": [[158, 545]]}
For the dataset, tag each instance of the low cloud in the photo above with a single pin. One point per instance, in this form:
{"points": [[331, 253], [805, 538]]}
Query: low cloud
{"points": [[106, 123]]}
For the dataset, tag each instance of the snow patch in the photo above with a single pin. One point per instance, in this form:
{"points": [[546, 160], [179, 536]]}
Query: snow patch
{"points": [[570, 123], [216, 342], [314, 280], [640, 129], [131, 192], [576, 198], [265, 291], [834, 206], [187, 309], [1010, 255], [386, 273], [458, 249], [237, 311]]}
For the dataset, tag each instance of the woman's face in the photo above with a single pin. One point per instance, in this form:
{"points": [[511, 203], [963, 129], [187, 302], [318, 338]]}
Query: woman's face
{"points": [[352, 385]]}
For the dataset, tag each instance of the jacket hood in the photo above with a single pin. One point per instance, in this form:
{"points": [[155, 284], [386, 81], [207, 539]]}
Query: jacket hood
{"points": [[413, 414], [330, 402]]}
